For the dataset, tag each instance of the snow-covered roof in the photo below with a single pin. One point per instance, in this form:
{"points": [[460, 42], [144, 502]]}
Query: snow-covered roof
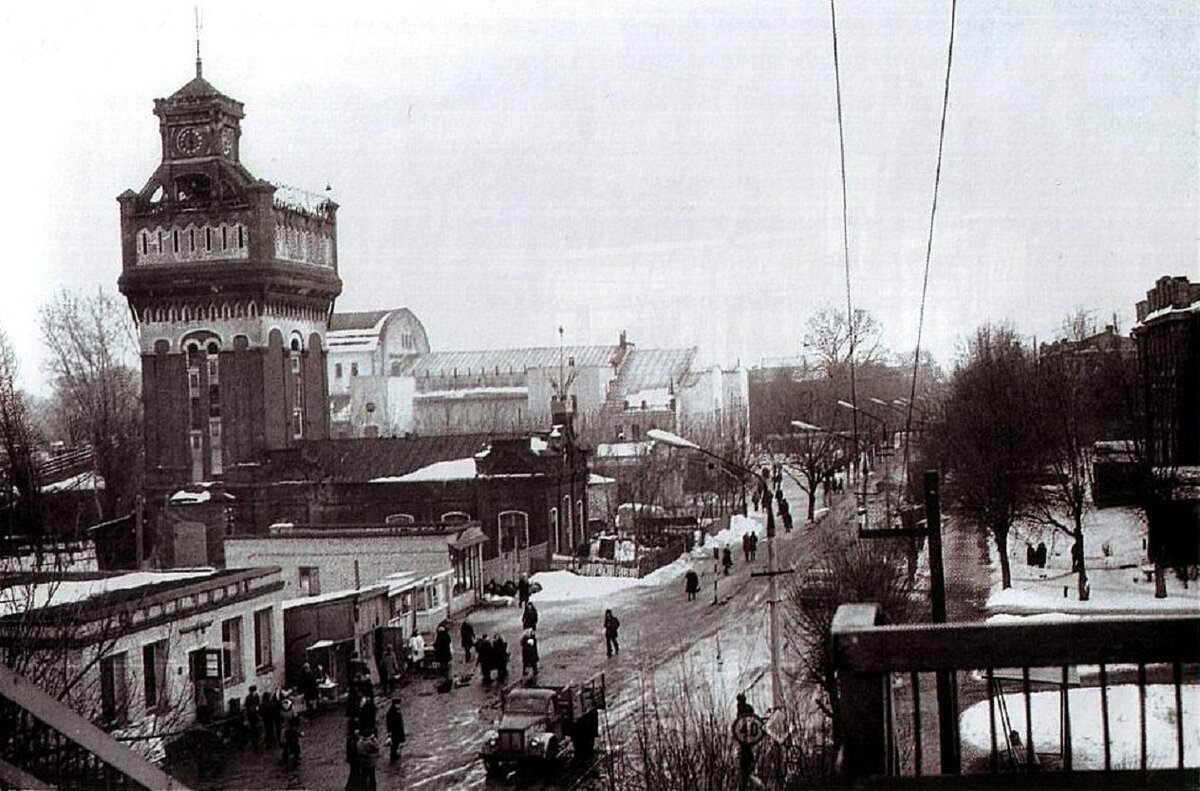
{"points": [[453, 470], [45, 594], [84, 481], [298, 200], [1167, 311], [333, 595], [622, 450], [472, 392]]}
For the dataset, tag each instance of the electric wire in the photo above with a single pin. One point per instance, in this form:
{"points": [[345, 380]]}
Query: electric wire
{"points": [[937, 180], [837, 79]]}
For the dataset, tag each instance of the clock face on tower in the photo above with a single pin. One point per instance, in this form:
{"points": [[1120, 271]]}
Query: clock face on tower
{"points": [[190, 140]]}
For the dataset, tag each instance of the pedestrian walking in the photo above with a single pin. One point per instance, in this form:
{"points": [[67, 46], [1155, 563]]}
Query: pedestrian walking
{"points": [[611, 625], [529, 618], [753, 546], [368, 758], [291, 742], [483, 653], [691, 584], [251, 706], [308, 687], [746, 547], [416, 649], [466, 634], [391, 667], [522, 591], [727, 560], [269, 711], [354, 779], [529, 653], [499, 651], [787, 521], [366, 709], [442, 649], [395, 728]]}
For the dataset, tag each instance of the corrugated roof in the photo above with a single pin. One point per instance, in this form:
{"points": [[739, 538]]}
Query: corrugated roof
{"points": [[645, 369], [363, 320], [436, 363]]}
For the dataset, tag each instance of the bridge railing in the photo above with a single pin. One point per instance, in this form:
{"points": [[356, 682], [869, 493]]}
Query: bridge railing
{"points": [[1085, 698]]}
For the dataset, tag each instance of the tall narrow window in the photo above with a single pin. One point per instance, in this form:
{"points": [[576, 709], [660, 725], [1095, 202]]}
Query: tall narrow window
{"points": [[514, 530], [114, 700], [154, 674], [262, 638], [310, 580], [337, 370], [231, 648]]}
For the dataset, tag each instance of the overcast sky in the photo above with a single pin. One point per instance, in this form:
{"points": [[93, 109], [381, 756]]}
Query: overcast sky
{"points": [[667, 168]]}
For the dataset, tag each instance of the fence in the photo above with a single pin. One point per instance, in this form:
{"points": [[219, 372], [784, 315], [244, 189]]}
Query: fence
{"points": [[1100, 700]]}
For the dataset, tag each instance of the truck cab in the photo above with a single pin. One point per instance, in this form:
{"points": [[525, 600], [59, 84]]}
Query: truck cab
{"points": [[540, 724]]}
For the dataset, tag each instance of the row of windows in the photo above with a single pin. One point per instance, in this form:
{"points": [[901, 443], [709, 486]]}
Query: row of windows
{"points": [[337, 370], [173, 243], [225, 665]]}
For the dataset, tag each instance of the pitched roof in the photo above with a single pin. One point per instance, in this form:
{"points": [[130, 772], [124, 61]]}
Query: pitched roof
{"points": [[362, 320], [437, 363], [197, 86], [646, 369]]}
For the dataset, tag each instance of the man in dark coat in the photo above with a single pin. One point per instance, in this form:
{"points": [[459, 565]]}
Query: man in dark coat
{"points": [[269, 710], [726, 560], [466, 633], [499, 651], [529, 653], [442, 648], [251, 705], [529, 618], [308, 687], [522, 590], [395, 727], [483, 652], [611, 625], [691, 584], [366, 710]]}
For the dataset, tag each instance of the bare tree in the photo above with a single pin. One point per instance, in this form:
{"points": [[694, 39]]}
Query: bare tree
{"points": [[816, 448], [834, 340], [987, 436], [1079, 325], [90, 339], [18, 440], [843, 572]]}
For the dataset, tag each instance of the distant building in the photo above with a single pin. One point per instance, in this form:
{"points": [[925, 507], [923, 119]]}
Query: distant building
{"points": [[367, 352], [385, 381], [1168, 337]]}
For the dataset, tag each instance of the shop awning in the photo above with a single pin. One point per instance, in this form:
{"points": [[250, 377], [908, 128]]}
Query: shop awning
{"points": [[471, 537]]}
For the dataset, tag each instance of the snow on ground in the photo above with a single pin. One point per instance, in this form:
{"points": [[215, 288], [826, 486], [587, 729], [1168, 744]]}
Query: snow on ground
{"points": [[1087, 745], [1115, 554], [565, 585]]}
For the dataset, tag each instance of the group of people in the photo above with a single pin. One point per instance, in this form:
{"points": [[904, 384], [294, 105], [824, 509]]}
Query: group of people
{"points": [[268, 717], [749, 546], [362, 733]]}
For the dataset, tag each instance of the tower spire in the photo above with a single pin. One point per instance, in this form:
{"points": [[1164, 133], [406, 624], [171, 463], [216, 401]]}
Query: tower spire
{"points": [[196, 13]]}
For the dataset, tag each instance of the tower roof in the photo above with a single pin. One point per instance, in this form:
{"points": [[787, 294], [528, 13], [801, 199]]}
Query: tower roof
{"points": [[197, 87]]}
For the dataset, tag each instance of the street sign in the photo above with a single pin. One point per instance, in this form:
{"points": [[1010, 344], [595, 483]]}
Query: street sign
{"points": [[748, 729]]}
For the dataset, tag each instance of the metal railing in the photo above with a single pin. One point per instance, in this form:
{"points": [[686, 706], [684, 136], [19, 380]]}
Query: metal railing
{"points": [[42, 738], [1100, 698]]}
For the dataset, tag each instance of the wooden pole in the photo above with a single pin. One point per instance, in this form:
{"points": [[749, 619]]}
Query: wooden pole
{"points": [[947, 686]]}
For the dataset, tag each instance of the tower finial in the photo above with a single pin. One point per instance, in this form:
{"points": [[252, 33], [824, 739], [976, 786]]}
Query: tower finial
{"points": [[199, 25]]}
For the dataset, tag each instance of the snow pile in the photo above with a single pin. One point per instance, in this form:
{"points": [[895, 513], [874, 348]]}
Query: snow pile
{"points": [[731, 536], [566, 585], [1109, 602], [1087, 735]]}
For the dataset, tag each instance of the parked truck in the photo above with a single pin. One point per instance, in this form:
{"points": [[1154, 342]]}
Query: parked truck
{"points": [[541, 723]]}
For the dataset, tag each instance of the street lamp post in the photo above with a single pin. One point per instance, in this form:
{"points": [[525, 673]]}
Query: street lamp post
{"points": [[676, 441]]}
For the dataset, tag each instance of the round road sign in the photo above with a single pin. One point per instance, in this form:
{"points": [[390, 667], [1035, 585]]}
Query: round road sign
{"points": [[748, 729]]}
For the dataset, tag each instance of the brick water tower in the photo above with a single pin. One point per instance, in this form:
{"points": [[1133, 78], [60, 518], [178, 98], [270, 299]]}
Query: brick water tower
{"points": [[231, 282]]}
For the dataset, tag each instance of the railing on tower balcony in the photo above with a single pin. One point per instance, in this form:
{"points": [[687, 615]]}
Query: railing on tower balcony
{"points": [[1095, 702]]}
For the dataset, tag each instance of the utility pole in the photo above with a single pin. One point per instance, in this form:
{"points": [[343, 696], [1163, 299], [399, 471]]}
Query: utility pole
{"points": [[772, 596]]}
